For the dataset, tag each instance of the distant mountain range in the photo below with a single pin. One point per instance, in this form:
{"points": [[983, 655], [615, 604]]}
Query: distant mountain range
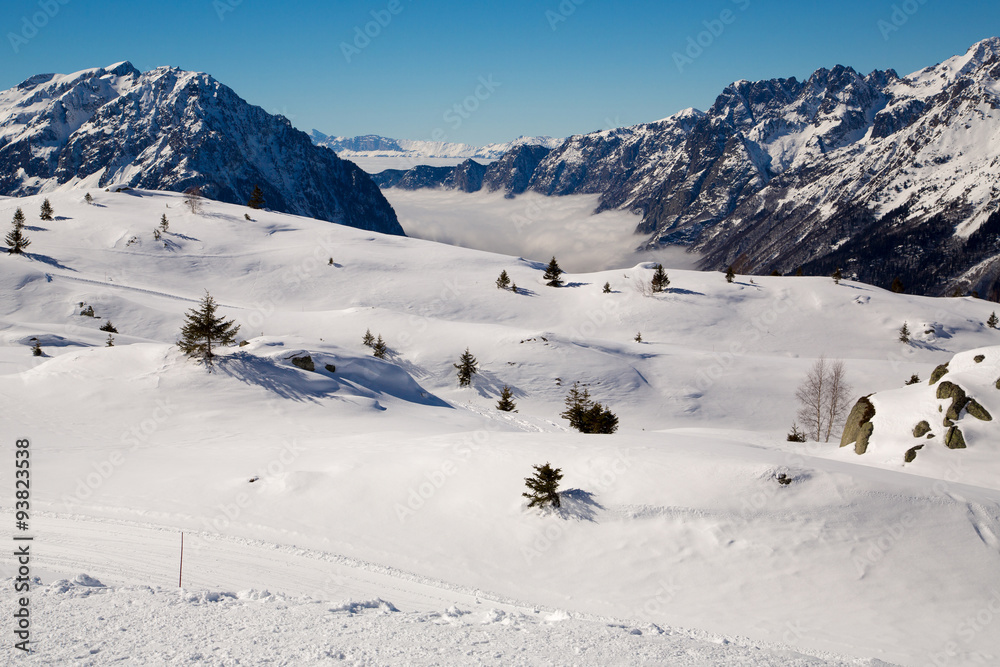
{"points": [[880, 175], [372, 145], [168, 129]]}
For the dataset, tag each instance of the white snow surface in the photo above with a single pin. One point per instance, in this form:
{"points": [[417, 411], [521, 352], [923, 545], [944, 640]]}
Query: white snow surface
{"points": [[381, 485]]}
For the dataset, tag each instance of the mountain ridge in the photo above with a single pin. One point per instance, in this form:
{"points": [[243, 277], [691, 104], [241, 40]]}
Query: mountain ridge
{"points": [[169, 129]]}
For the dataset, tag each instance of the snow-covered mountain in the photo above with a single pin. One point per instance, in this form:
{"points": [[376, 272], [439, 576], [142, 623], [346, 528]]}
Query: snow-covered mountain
{"points": [[880, 175], [372, 145], [169, 129]]}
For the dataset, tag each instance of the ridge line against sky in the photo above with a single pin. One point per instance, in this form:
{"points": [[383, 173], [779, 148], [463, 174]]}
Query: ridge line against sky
{"points": [[461, 72]]}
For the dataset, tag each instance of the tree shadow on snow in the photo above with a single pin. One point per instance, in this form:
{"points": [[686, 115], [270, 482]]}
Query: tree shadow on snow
{"points": [[489, 385], [677, 290], [578, 504], [282, 380], [51, 261]]}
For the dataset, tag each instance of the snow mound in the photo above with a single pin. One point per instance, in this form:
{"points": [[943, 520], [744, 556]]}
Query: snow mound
{"points": [[356, 607]]}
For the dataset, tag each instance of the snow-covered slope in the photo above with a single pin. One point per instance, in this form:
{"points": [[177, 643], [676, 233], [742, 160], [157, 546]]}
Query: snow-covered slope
{"points": [[384, 479], [374, 146], [169, 129]]}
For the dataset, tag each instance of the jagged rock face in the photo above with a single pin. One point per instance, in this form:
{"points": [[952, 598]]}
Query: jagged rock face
{"points": [[169, 130], [513, 171], [878, 175]]}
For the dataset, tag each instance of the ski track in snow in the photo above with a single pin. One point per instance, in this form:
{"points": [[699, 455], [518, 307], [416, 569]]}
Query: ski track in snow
{"points": [[248, 600]]}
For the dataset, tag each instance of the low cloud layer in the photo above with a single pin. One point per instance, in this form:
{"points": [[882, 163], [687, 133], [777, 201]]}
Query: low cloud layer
{"points": [[532, 226]]}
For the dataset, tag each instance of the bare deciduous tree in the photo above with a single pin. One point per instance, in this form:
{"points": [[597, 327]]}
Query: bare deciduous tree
{"points": [[823, 398], [812, 399], [838, 394]]}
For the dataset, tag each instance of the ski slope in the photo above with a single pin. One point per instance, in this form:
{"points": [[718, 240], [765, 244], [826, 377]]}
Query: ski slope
{"points": [[383, 480]]}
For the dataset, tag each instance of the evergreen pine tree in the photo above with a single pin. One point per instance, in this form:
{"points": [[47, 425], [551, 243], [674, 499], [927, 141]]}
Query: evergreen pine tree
{"points": [[503, 282], [16, 238], [256, 198], [506, 402], [577, 404], [369, 339], [87, 198], [837, 276], [914, 379], [799, 271], [992, 321], [598, 419], [904, 333], [110, 341], [730, 274], [164, 223], [638, 337], [467, 367], [36, 349], [796, 435], [204, 329], [513, 288], [776, 273], [46, 211], [587, 416], [544, 486], [156, 234], [660, 279], [897, 285], [379, 348], [107, 326], [552, 273], [607, 288]]}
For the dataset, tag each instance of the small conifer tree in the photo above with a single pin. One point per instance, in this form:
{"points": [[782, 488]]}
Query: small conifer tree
{"points": [[36, 349], [730, 274], [467, 367], [552, 273], [992, 321], [87, 198], [897, 285], [368, 339], [256, 198], [796, 435], [837, 276], [16, 238], [638, 337], [109, 327], [156, 234], [164, 223], [111, 341], [904, 333], [46, 211], [330, 263], [776, 273], [513, 288], [660, 279], [379, 348], [506, 402], [205, 330], [587, 416], [799, 272], [914, 379], [503, 282], [544, 486], [607, 288]]}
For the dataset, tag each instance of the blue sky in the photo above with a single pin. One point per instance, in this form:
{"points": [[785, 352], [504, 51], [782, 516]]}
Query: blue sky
{"points": [[479, 72]]}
